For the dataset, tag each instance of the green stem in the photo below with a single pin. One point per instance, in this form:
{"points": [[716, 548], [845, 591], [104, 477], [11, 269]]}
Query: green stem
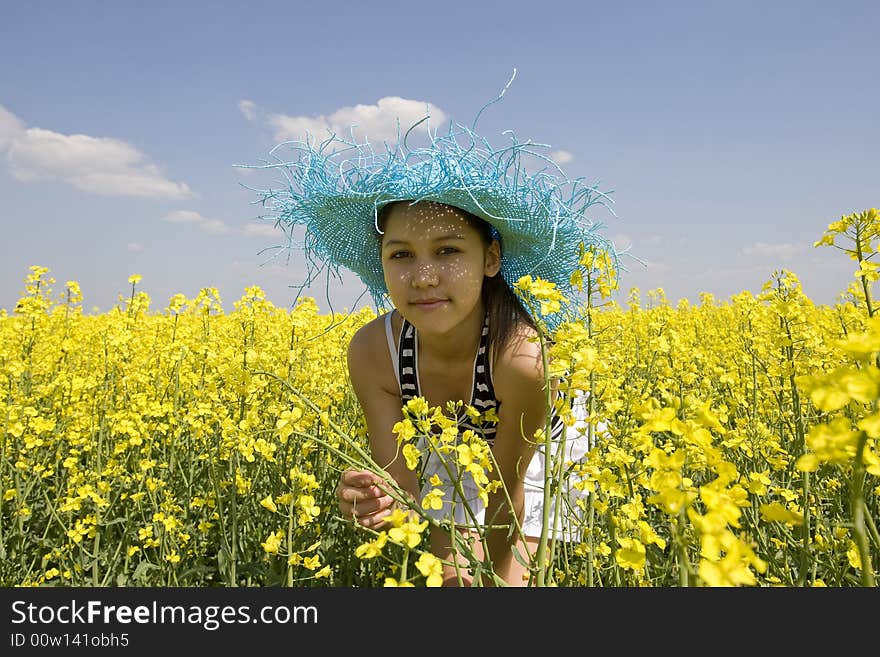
{"points": [[683, 561], [542, 563], [291, 507], [858, 510]]}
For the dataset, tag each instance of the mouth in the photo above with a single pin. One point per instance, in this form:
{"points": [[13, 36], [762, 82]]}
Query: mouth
{"points": [[428, 304]]}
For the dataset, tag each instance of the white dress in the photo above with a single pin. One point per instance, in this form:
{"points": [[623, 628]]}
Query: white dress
{"points": [[462, 503]]}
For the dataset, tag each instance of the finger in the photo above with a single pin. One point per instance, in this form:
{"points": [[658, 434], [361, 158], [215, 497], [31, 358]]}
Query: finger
{"points": [[357, 507], [386, 506], [357, 478], [347, 477], [374, 509], [373, 520], [355, 495], [365, 508], [358, 494], [365, 479], [377, 509]]}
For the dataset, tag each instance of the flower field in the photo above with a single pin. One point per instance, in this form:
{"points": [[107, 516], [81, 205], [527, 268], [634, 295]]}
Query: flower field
{"points": [[734, 443]]}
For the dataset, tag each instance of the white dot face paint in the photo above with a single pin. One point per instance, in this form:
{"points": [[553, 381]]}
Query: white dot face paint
{"points": [[434, 260]]}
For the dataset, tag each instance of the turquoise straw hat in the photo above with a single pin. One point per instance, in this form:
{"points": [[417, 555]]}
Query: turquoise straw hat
{"points": [[334, 190]]}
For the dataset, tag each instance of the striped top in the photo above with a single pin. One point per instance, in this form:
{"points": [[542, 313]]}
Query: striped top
{"points": [[406, 368]]}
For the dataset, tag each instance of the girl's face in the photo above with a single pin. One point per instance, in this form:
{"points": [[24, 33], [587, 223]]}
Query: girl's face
{"points": [[434, 260]]}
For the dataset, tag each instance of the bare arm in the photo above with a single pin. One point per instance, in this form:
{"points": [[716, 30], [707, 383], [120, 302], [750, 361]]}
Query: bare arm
{"points": [[376, 388], [518, 378]]}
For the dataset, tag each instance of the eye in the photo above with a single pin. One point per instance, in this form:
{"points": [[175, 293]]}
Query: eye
{"points": [[397, 255], [448, 250]]}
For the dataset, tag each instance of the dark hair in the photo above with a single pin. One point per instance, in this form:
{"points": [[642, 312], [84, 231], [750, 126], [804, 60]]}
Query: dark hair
{"points": [[505, 308]]}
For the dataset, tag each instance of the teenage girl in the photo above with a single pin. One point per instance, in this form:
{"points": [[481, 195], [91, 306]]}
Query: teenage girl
{"points": [[458, 333]]}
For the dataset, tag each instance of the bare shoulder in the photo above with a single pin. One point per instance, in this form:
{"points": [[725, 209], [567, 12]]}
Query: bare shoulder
{"points": [[521, 390], [365, 339], [368, 358], [519, 362]]}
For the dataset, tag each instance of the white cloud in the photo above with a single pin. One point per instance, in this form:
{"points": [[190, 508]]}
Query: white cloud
{"points": [[621, 241], [298, 127], [214, 226], [561, 157], [377, 122], [785, 252], [99, 165], [245, 172], [263, 230], [203, 223], [183, 217], [248, 108], [135, 247], [11, 127]]}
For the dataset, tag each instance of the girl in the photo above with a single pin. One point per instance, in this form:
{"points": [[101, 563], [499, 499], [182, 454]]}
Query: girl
{"points": [[441, 269], [443, 232]]}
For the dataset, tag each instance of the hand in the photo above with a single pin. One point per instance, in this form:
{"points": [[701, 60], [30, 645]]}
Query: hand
{"points": [[361, 496]]}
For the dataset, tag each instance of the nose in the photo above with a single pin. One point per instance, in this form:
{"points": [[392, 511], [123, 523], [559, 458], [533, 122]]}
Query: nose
{"points": [[425, 275]]}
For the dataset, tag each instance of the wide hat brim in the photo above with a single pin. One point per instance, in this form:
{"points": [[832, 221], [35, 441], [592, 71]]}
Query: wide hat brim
{"points": [[335, 189]]}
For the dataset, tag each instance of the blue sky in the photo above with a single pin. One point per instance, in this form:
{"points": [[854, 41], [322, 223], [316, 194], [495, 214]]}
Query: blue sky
{"points": [[729, 133]]}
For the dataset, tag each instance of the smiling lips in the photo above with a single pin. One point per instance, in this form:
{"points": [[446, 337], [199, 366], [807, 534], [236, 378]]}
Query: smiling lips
{"points": [[428, 304]]}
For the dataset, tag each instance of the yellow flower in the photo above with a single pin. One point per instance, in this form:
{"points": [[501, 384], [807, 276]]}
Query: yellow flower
{"points": [[404, 430], [405, 531], [285, 424], [272, 544], [775, 512], [834, 442], [390, 582], [308, 509], [411, 455], [852, 555], [649, 536], [543, 291], [268, 503], [434, 499], [631, 554], [432, 568], [417, 406], [372, 549]]}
